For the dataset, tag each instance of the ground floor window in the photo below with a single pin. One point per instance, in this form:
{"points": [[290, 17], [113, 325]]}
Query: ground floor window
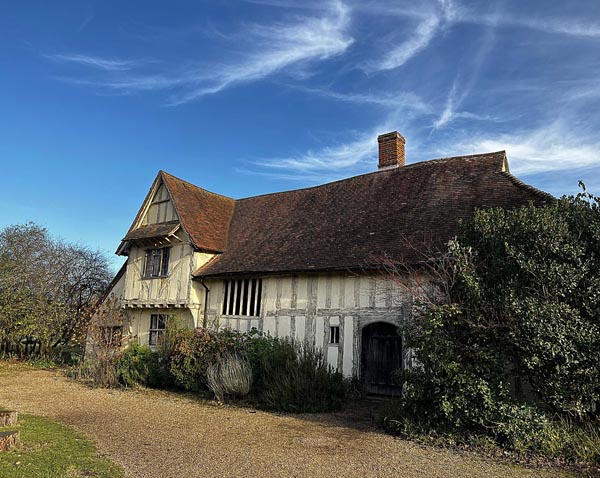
{"points": [[334, 334], [158, 323], [242, 297]]}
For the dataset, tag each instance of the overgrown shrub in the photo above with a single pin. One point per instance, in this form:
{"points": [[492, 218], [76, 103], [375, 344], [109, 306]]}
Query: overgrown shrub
{"points": [[521, 429], [105, 343], [231, 374], [297, 379], [508, 340], [98, 371], [140, 365], [195, 350]]}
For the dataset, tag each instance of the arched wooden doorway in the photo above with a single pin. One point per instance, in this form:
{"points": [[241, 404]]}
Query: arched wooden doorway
{"points": [[381, 355]]}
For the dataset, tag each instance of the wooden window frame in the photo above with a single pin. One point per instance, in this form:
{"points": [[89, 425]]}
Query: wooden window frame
{"points": [[155, 331], [242, 297], [156, 263], [334, 335]]}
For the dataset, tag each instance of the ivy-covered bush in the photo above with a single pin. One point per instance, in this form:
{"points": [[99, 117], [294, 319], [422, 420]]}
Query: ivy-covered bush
{"points": [[509, 347]]}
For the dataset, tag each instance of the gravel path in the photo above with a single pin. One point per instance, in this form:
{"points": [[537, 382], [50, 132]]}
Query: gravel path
{"points": [[161, 434]]}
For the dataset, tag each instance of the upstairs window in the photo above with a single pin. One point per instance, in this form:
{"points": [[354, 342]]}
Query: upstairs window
{"points": [[242, 297], [157, 262], [158, 323]]}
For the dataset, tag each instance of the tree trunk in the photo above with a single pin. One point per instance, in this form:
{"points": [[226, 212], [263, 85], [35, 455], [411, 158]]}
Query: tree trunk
{"points": [[8, 418], [8, 440]]}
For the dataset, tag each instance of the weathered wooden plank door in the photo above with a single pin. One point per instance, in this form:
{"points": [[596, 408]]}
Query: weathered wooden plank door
{"points": [[381, 356]]}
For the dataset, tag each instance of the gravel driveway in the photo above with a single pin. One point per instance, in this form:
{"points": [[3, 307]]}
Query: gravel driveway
{"points": [[161, 434]]}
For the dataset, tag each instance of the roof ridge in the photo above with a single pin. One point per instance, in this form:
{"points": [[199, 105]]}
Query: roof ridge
{"points": [[195, 186], [392, 170]]}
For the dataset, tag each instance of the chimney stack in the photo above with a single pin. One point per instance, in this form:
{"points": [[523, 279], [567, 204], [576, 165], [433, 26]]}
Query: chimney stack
{"points": [[391, 150]]}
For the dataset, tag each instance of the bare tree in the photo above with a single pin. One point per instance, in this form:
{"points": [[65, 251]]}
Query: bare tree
{"points": [[48, 288]]}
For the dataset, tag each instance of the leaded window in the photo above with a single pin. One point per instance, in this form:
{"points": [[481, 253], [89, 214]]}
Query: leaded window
{"points": [[157, 262]]}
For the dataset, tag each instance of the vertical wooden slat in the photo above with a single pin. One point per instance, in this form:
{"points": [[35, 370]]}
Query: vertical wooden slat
{"points": [[238, 296], [259, 297], [253, 298], [232, 298], [225, 297], [246, 297]]}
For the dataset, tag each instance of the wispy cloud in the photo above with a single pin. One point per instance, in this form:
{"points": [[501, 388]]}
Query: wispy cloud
{"points": [[269, 50], [407, 100], [563, 26], [417, 41], [278, 47], [328, 162], [465, 80], [104, 64], [551, 148]]}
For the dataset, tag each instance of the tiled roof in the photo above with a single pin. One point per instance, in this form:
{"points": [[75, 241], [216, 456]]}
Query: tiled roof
{"points": [[345, 224], [205, 216], [152, 230]]}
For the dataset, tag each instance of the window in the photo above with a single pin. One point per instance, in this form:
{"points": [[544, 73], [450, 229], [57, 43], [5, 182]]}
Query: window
{"points": [[334, 334], [157, 262], [242, 297], [158, 323]]}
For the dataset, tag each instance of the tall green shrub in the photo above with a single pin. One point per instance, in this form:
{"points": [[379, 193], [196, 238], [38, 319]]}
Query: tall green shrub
{"points": [[140, 365], [515, 337]]}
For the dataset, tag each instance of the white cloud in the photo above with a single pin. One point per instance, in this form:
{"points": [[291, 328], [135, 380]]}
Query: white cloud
{"points": [[406, 100], [465, 80], [105, 64], [279, 46], [552, 148], [331, 162], [564, 25], [417, 41], [269, 49]]}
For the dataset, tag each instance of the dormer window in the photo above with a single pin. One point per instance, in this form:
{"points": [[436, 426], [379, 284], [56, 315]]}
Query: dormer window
{"points": [[156, 263]]}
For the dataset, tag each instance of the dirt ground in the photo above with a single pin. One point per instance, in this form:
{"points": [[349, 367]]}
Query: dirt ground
{"points": [[162, 434]]}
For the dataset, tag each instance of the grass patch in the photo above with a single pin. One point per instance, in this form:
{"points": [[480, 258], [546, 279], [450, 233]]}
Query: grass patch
{"points": [[52, 450]]}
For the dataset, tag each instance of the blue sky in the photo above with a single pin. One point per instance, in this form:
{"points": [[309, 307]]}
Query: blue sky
{"points": [[249, 97]]}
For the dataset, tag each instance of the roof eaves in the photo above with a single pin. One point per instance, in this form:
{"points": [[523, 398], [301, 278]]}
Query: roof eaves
{"points": [[162, 175], [527, 187]]}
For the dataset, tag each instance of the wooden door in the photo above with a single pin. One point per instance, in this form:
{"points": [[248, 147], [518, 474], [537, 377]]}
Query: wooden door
{"points": [[381, 356]]}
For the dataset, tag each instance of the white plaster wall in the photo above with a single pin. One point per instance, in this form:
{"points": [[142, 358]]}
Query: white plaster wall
{"points": [[305, 306], [140, 321]]}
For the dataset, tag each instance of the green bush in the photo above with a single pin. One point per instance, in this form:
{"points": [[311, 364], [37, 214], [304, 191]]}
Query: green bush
{"points": [[521, 429], [508, 343], [140, 365], [195, 350], [296, 378], [279, 374]]}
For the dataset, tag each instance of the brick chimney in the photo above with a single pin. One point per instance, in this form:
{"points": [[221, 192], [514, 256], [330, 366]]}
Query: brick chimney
{"points": [[391, 150]]}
